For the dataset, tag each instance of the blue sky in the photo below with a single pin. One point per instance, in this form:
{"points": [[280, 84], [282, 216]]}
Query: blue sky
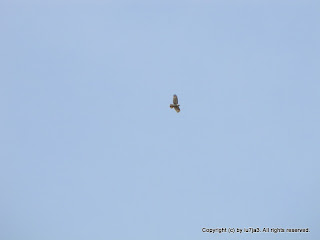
{"points": [[91, 150]]}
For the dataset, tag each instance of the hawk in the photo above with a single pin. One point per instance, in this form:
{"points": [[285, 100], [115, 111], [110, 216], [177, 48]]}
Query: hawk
{"points": [[175, 104]]}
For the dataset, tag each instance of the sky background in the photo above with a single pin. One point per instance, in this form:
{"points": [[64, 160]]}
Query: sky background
{"points": [[91, 150]]}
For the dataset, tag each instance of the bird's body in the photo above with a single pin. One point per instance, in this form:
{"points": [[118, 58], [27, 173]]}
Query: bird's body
{"points": [[175, 104]]}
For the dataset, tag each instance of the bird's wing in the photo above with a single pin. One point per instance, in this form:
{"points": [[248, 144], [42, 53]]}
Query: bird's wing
{"points": [[177, 108], [175, 99]]}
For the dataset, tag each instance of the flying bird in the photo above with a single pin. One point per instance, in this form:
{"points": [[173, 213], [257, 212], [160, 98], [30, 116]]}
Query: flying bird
{"points": [[175, 104]]}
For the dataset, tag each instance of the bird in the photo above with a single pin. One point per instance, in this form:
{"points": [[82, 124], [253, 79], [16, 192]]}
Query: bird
{"points": [[175, 104]]}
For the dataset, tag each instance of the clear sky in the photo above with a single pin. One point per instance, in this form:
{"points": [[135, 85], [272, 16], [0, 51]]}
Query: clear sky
{"points": [[91, 150]]}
